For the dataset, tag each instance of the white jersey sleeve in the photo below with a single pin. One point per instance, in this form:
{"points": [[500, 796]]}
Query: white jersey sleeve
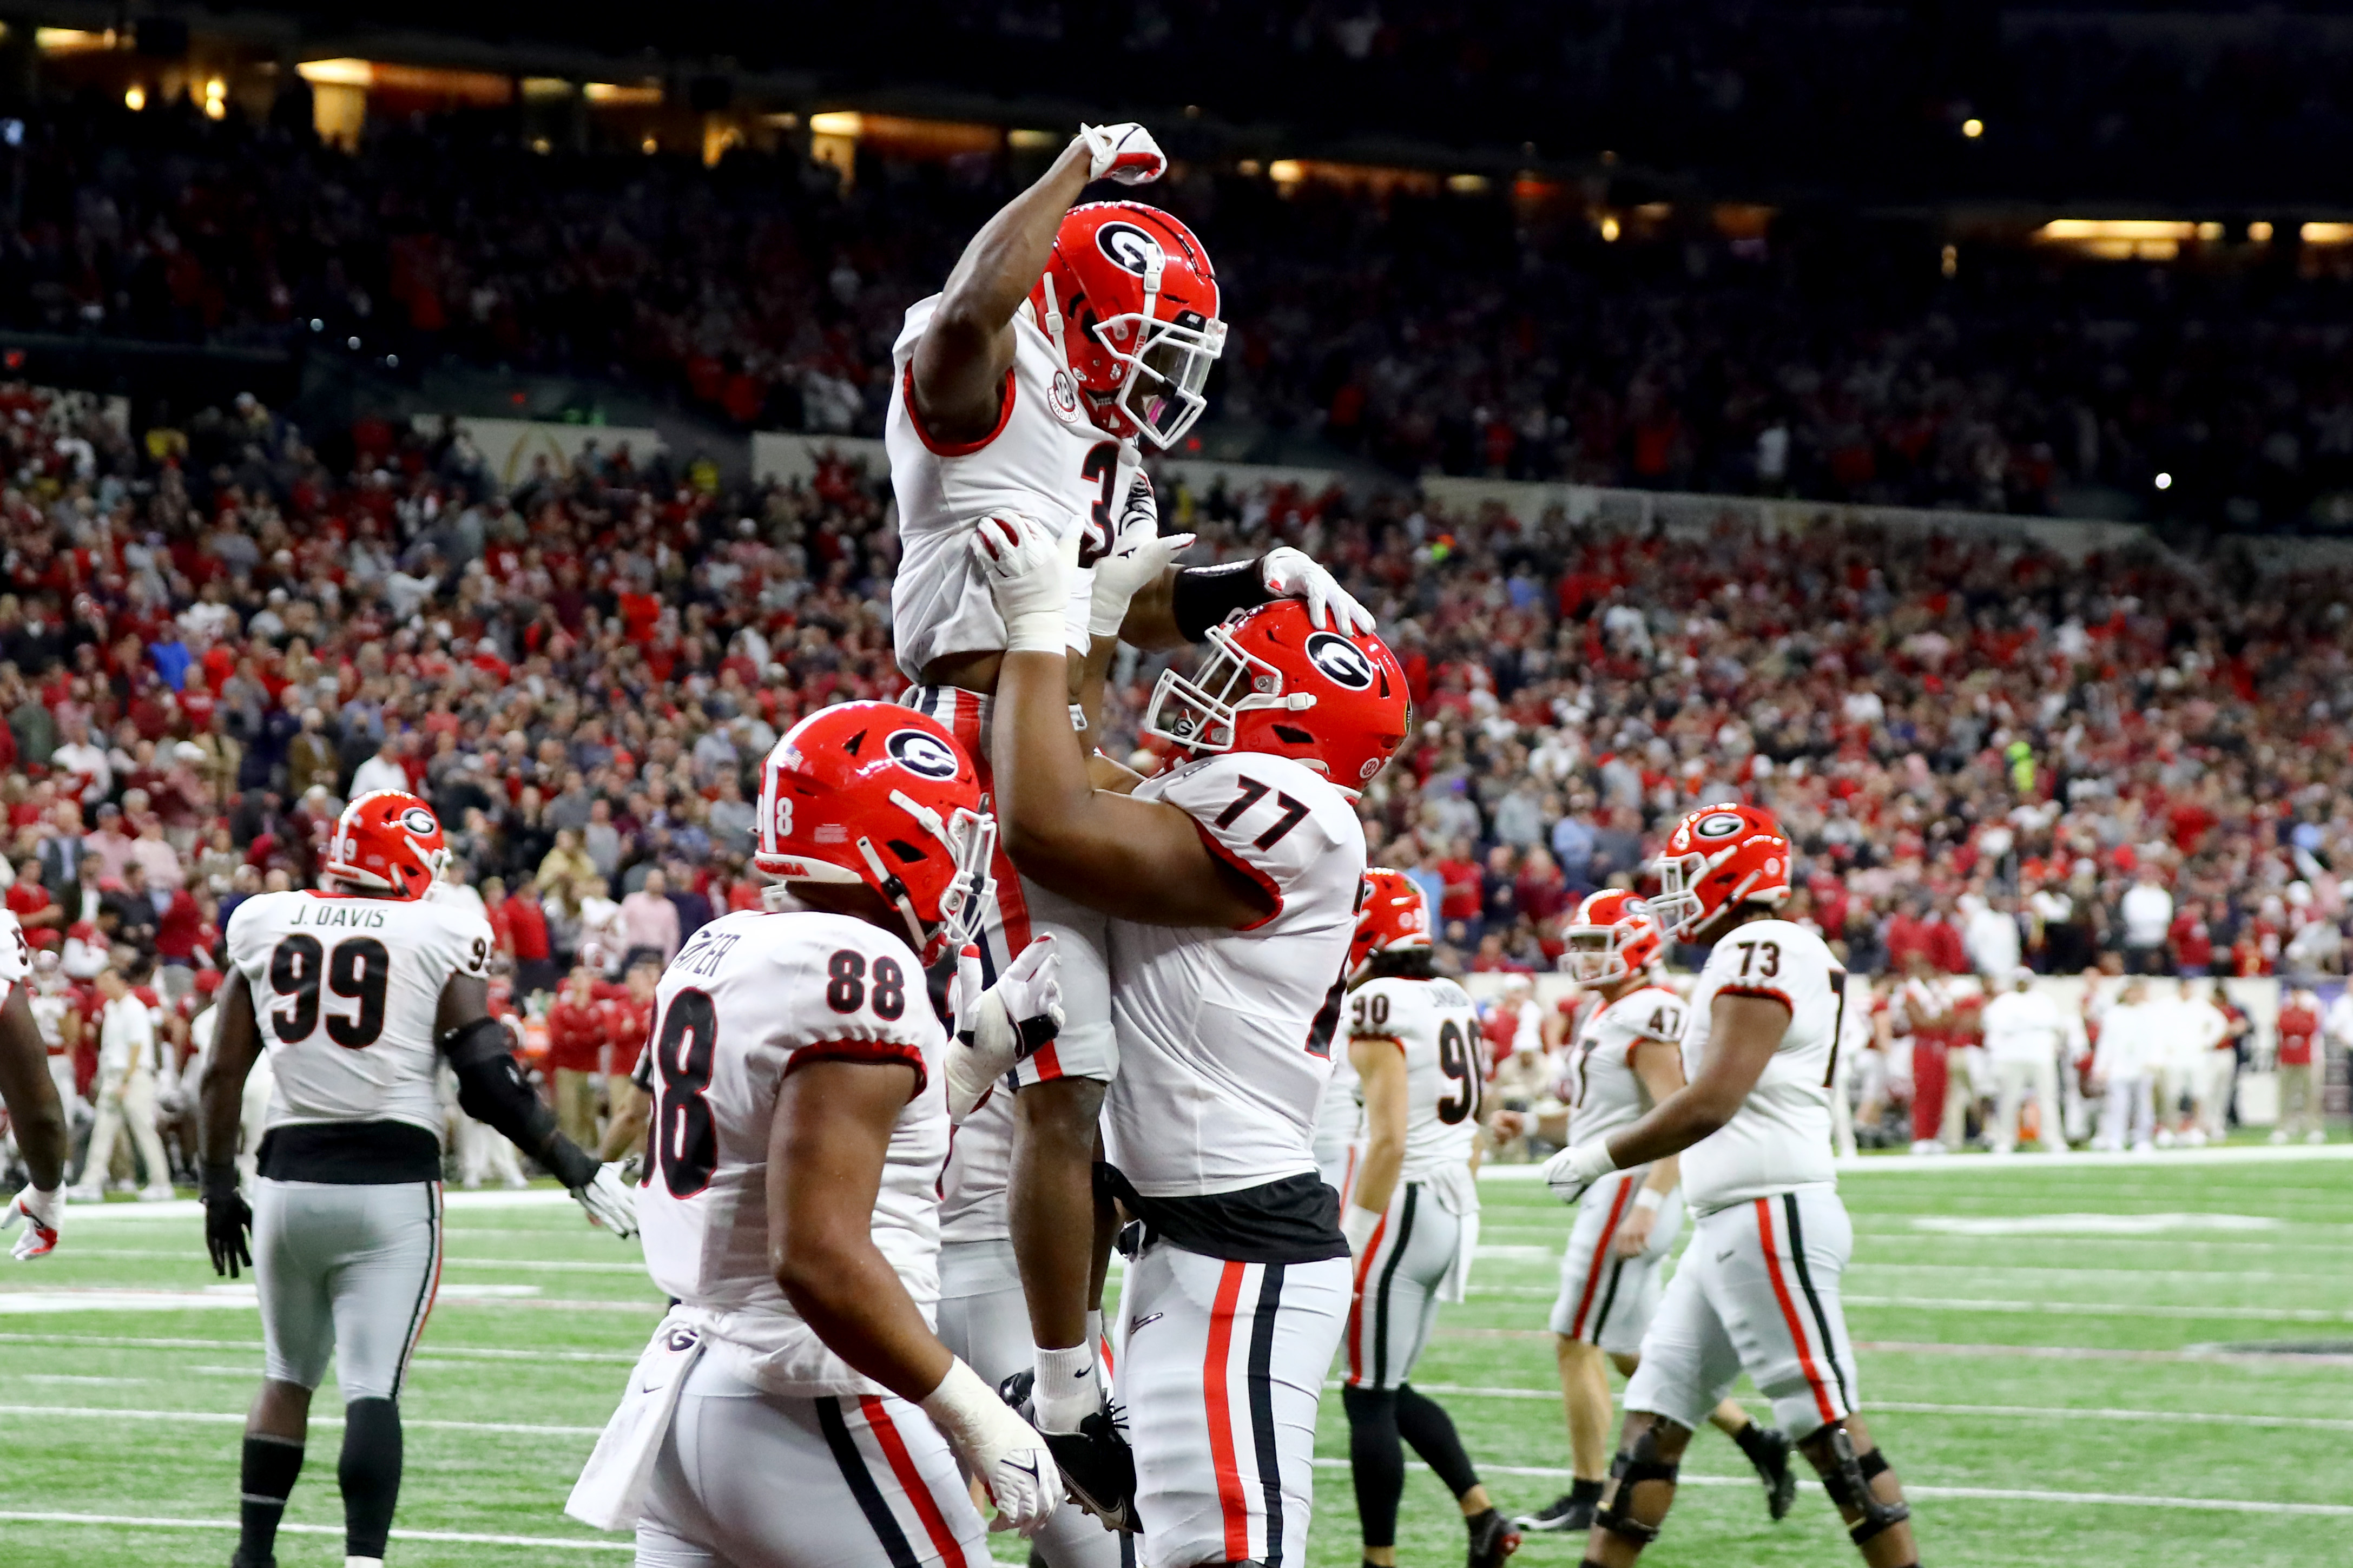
{"points": [[16, 954], [1780, 1139], [1226, 1037], [346, 992], [749, 999], [1605, 1093], [1435, 1025]]}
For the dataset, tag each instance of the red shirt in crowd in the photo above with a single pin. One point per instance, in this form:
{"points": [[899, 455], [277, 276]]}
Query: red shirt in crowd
{"points": [[577, 1033], [2298, 1028]]}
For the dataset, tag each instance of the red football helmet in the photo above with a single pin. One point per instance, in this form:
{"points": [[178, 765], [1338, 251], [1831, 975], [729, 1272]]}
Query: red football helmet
{"points": [[874, 792], [1394, 916], [387, 842], [1717, 857], [1270, 681], [1614, 936], [1131, 302]]}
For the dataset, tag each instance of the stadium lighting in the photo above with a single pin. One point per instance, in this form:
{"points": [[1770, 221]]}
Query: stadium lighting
{"points": [[2165, 481], [1972, 128], [649, 146], [2327, 234], [1286, 171], [217, 99], [2260, 231], [340, 72], [1609, 229], [1949, 263], [135, 97], [837, 122]]}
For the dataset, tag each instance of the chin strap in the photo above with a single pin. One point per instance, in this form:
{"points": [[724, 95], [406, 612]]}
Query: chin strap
{"points": [[1053, 319]]}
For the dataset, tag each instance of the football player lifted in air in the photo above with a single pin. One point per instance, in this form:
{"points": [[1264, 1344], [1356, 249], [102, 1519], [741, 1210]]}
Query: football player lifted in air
{"points": [[1230, 884], [1411, 1215], [1626, 1058], [357, 991], [1064, 339], [37, 1116], [1759, 1288], [795, 1408]]}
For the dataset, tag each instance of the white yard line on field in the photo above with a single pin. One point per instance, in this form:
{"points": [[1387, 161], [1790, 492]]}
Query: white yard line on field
{"points": [[458, 1537], [67, 1301], [1980, 1166], [2052, 1309], [453, 1352], [542, 1265], [232, 1418], [2021, 1412]]}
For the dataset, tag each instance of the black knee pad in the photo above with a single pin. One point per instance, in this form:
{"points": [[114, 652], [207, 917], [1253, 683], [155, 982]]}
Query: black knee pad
{"points": [[1630, 1468], [1847, 1481]]}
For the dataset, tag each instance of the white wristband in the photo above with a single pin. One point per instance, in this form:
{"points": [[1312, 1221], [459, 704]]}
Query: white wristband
{"points": [[963, 1406], [1649, 1198], [1358, 1225], [1039, 631]]}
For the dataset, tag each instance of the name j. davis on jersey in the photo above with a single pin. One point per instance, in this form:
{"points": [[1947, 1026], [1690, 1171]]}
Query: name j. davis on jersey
{"points": [[330, 916]]}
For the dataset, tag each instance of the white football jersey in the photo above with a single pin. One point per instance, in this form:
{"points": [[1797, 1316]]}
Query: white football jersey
{"points": [[750, 995], [345, 990], [980, 1167], [1339, 1115], [1780, 1139], [1225, 1037], [1045, 459], [1434, 1023], [50, 1016], [1603, 1092], [15, 953]]}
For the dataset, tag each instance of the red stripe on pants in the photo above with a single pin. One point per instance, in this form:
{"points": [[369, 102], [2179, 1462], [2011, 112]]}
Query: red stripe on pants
{"points": [[1600, 1256], [911, 1480], [1356, 1297], [1789, 1314], [1231, 1501]]}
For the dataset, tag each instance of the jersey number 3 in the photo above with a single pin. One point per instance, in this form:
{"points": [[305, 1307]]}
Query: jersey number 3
{"points": [[357, 971]]}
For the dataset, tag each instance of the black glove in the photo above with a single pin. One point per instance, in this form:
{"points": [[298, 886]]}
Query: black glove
{"points": [[227, 1218]]}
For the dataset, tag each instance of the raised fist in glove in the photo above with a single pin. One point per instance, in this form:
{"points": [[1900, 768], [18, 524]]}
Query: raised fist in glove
{"points": [[1577, 1167], [1023, 565], [40, 1212], [1005, 1451], [608, 1200], [1136, 554], [1291, 573], [1125, 153], [1000, 1025]]}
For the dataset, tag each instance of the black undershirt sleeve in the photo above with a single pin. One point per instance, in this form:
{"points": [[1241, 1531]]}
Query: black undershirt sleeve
{"points": [[492, 1090]]}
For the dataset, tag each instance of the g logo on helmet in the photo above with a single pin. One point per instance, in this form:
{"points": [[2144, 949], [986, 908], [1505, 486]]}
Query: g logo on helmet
{"points": [[1342, 662], [1128, 246], [1719, 825], [921, 754], [418, 820]]}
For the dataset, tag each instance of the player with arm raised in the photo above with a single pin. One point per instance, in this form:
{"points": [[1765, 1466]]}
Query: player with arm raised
{"points": [[800, 1122], [1411, 1216], [1062, 339], [1626, 1058], [1759, 1288], [356, 992], [1232, 885], [37, 1116]]}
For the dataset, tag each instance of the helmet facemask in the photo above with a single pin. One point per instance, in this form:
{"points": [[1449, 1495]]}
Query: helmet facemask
{"points": [[1200, 711], [1168, 360], [1593, 955], [970, 839]]}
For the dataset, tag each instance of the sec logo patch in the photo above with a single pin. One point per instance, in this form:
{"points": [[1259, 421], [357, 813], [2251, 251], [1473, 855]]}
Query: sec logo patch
{"points": [[1065, 398]]}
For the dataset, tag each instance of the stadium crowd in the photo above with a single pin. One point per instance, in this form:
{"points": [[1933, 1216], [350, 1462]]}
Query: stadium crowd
{"points": [[1464, 333]]}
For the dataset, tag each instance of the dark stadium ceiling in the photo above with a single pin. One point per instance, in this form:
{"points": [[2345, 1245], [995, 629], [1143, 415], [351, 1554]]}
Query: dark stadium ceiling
{"points": [[2186, 108]]}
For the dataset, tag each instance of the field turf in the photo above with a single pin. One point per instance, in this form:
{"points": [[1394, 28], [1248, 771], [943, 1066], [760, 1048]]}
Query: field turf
{"points": [[2067, 1361]]}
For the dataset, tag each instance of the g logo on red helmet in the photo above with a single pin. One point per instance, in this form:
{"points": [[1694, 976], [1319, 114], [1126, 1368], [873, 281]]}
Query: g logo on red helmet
{"points": [[418, 820], [1340, 662], [1128, 247], [921, 754], [1719, 825]]}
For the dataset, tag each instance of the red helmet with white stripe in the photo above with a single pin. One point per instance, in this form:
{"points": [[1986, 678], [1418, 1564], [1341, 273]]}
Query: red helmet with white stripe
{"points": [[1131, 302], [1614, 937], [876, 794], [1717, 858], [387, 842], [1394, 916]]}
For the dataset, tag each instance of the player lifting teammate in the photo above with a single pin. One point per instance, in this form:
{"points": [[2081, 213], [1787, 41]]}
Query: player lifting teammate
{"points": [[1232, 885], [1627, 1058], [1062, 339], [37, 1116], [357, 992], [800, 1120], [1412, 1215], [1758, 1287]]}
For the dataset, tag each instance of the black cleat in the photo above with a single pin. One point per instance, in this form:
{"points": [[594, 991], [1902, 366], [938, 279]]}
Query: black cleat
{"points": [[1493, 1538], [1769, 1450], [1097, 1464], [1565, 1515]]}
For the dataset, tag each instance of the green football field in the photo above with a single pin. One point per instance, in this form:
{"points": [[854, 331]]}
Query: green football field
{"points": [[2084, 1362]]}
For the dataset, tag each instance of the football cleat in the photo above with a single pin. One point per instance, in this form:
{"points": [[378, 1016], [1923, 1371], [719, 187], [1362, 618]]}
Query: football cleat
{"points": [[1493, 1538], [1097, 1464], [1565, 1515]]}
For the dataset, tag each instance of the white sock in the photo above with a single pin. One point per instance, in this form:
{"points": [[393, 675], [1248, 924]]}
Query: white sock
{"points": [[363, 1562], [1068, 1389], [1096, 1329]]}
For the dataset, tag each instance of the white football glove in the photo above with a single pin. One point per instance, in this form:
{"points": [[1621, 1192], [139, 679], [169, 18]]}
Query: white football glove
{"points": [[1291, 573], [1577, 1167], [41, 1212], [1023, 566], [1134, 556], [1005, 1451], [1000, 1025], [1125, 153], [609, 1202]]}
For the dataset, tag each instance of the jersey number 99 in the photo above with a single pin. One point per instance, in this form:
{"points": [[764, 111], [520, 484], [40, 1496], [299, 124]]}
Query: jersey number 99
{"points": [[357, 970]]}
